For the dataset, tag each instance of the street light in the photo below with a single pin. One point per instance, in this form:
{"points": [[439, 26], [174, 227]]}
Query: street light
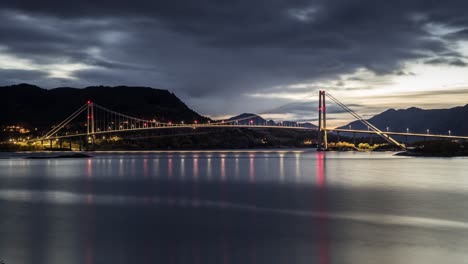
{"points": [[450, 132], [428, 131], [407, 130], [388, 129], [349, 127]]}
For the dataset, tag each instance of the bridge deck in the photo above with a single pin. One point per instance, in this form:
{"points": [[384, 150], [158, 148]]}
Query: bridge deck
{"points": [[227, 125]]}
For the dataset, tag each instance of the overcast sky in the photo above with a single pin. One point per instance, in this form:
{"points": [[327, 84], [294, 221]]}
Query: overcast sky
{"points": [[228, 57]]}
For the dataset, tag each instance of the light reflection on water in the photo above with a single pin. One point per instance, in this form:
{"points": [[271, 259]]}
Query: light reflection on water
{"points": [[233, 207]]}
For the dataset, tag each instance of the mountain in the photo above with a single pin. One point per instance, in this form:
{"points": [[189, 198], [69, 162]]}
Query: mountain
{"points": [[33, 106], [438, 121], [249, 118]]}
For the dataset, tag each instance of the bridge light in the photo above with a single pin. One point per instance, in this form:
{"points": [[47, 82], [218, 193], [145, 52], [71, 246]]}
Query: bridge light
{"points": [[427, 131], [450, 132], [89, 102], [407, 130]]}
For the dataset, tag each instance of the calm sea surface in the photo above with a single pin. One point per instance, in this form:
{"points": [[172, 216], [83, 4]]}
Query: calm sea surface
{"points": [[288, 206]]}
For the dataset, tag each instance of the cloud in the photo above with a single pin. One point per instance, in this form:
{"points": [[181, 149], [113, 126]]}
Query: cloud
{"points": [[18, 76], [224, 50], [447, 61], [459, 35]]}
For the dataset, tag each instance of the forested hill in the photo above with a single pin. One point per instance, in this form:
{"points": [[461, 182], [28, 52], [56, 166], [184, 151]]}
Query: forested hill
{"points": [[33, 106]]}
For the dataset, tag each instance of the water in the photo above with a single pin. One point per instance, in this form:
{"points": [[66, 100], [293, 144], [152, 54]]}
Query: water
{"points": [[288, 206]]}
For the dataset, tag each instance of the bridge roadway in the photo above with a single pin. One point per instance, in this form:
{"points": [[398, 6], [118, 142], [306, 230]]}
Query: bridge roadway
{"points": [[179, 126], [396, 133], [231, 125]]}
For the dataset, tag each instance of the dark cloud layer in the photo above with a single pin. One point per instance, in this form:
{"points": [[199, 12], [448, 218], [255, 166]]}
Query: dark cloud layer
{"points": [[220, 50]]}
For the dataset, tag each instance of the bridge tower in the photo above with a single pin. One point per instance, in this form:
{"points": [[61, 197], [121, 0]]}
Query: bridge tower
{"points": [[90, 122], [322, 139]]}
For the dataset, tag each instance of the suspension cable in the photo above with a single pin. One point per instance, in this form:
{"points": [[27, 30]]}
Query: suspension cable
{"points": [[65, 122], [362, 120]]}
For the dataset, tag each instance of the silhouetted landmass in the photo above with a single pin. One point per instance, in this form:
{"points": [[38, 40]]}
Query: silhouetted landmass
{"points": [[437, 148], [32, 106], [67, 156], [438, 121]]}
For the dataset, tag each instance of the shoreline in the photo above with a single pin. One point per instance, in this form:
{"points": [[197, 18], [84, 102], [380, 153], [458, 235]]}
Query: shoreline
{"points": [[431, 155]]}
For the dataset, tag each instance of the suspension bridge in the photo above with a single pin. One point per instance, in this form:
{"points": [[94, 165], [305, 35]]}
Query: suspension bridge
{"points": [[101, 121]]}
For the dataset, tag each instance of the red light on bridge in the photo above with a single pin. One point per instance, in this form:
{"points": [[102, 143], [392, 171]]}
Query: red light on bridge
{"points": [[88, 102]]}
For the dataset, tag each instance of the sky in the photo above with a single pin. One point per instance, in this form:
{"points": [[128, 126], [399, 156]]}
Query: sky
{"points": [[228, 57]]}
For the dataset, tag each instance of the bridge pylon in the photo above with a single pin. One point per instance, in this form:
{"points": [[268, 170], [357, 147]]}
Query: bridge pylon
{"points": [[90, 130], [322, 140]]}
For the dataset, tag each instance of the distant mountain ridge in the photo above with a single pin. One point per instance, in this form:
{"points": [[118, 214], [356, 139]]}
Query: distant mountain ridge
{"points": [[31, 105], [417, 120], [249, 118]]}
